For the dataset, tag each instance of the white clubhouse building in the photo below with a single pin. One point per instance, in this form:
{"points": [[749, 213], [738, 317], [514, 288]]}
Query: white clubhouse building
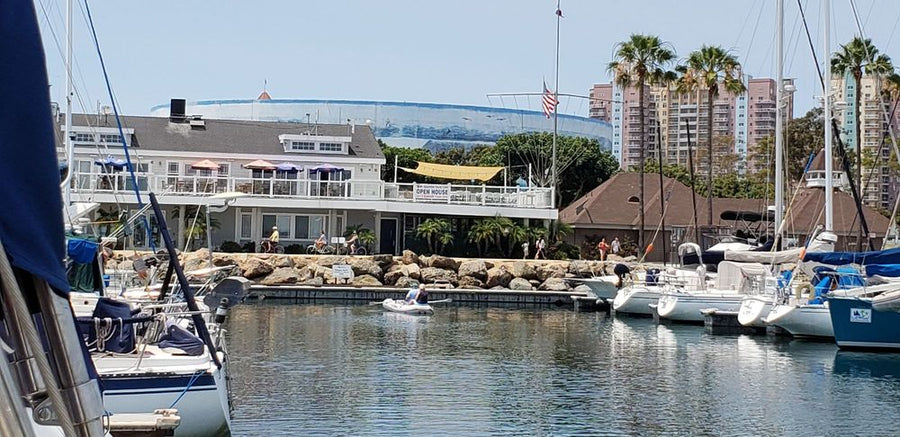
{"points": [[302, 177]]}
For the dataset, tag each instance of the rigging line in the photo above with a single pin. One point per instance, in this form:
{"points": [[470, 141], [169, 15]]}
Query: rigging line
{"points": [[869, 14], [812, 47], [134, 180], [795, 33], [891, 37], [744, 26], [753, 36]]}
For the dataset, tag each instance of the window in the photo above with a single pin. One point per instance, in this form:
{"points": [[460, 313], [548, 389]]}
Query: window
{"points": [[290, 227], [301, 226], [172, 168], [303, 145], [110, 138], [83, 138], [223, 169], [246, 226], [331, 147]]}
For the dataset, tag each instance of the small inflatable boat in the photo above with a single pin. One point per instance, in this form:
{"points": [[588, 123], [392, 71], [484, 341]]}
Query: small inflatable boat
{"points": [[399, 306]]}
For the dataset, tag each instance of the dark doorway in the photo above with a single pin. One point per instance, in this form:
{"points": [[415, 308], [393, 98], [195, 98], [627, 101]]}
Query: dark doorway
{"points": [[388, 243]]}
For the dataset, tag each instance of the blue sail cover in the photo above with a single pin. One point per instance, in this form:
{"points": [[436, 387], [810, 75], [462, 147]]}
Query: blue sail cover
{"points": [[890, 256], [889, 270], [31, 223]]}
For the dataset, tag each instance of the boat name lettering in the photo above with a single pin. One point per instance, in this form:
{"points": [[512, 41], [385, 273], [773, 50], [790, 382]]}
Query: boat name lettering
{"points": [[860, 315]]}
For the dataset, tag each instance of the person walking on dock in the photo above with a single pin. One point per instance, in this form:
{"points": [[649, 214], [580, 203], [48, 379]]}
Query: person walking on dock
{"points": [[539, 248], [525, 250], [614, 247], [603, 247]]}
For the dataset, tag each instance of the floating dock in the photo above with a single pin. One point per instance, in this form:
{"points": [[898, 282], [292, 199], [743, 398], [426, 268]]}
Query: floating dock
{"points": [[462, 295]]}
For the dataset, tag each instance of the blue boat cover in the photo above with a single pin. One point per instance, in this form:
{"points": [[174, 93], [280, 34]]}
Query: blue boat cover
{"points": [[31, 225], [890, 256], [890, 270], [82, 251], [180, 338]]}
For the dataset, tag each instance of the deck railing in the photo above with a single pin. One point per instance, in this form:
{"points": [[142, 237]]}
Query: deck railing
{"points": [[450, 194]]}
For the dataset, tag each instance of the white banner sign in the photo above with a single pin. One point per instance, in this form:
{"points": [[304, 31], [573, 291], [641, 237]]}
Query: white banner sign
{"points": [[432, 192], [342, 271]]}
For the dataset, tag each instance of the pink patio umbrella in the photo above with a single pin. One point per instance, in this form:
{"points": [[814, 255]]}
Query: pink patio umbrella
{"points": [[205, 165]]}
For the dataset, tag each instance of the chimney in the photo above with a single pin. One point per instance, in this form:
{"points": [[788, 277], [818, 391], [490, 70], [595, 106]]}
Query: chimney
{"points": [[176, 111]]}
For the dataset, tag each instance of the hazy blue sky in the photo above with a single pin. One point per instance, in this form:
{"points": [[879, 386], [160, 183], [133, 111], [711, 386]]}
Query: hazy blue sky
{"points": [[414, 50]]}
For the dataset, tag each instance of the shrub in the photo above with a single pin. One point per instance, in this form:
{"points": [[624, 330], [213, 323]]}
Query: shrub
{"points": [[249, 247], [230, 247], [563, 250], [295, 249]]}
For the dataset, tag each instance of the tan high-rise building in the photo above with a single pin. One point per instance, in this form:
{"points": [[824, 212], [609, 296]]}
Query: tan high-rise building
{"points": [[739, 122], [879, 185]]}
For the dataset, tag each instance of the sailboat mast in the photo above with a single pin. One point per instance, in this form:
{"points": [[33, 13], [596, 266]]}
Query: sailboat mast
{"points": [[555, 110], [70, 155], [826, 86], [779, 120]]}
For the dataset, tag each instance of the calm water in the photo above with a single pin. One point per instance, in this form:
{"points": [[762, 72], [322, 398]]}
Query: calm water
{"points": [[356, 370]]}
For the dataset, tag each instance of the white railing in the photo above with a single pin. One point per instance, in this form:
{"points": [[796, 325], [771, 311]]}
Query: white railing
{"points": [[483, 195]]}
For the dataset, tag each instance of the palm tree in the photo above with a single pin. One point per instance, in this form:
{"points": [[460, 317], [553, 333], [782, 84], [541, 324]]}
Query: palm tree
{"points": [[641, 60], [480, 233], [436, 232], [710, 68], [856, 57]]}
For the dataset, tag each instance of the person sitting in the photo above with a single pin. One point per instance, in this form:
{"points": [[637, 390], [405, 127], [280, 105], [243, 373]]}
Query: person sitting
{"points": [[410, 298], [421, 296], [321, 242], [352, 243], [273, 240]]}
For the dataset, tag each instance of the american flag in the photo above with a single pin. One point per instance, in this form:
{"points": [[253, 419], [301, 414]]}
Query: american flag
{"points": [[549, 101]]}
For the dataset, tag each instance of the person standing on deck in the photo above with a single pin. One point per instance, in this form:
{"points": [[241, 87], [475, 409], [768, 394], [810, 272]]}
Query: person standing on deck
{"points": [[525, 250], [603, 247], [615, 247]]}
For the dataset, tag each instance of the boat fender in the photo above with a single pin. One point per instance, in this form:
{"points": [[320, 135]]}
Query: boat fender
{"points": [[222, 311]]}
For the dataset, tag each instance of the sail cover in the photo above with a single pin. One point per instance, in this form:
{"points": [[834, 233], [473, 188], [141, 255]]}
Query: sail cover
{"points": [[456, 172], [890, 256], [31, 225]]}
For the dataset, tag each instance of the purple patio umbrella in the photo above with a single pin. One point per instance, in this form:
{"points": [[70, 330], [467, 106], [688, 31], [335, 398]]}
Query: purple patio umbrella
{"points": [[325, 168], [112, 163], [288, 166]]}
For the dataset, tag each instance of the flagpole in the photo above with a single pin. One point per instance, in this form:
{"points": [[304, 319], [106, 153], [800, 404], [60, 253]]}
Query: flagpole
{"points": [[555, 111]]}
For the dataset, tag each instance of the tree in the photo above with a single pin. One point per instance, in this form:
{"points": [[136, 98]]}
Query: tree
{"points": [[641, 60], [194, 222], [709, 68], [854, 58], [406, 157], [436, 232]]}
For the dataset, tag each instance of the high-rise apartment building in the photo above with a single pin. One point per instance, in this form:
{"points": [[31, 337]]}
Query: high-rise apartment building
{"points": [[739, 121], [879, 184]]}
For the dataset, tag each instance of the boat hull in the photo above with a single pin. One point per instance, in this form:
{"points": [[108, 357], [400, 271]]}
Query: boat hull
{"points": [[754, 310], [398, 306], [686, 307], [636, 300], [857, 325], [807, 320], [603, 287], [201, 399]]}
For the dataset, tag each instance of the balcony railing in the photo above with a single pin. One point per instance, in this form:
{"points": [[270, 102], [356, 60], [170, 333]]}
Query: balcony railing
{"points": [[450, 194]]}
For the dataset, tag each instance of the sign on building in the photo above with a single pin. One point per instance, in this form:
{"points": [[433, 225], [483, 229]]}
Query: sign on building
{"points": [[431, 192], [342, 271]]}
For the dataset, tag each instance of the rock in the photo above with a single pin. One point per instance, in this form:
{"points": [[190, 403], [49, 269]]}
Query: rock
{"points": [[255, 267], [409, 257], [365, 266], [524, 270], [366, 281], [282, 261], [583, 289], [554, 284], [126, 265], [434, 274], [489, 265], [328, 261], [554, 270], [443, 262], [630, 259], [582, 268], [470, 282], [534, 283], [383, 260], [307, 272], [520, 284], [390, 278], [195, 264], [614, 257], [475, 268], [413, 271], [498, 276], [220, 261], [281, 276], [314, 281], [497, 287], [406, 282]]}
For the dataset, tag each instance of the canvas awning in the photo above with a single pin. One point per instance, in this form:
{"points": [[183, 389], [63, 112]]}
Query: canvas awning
{"points": [[456, 172]]}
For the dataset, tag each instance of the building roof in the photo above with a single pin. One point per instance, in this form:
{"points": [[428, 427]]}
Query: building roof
{"points": [[614, 204], [229, 136]]}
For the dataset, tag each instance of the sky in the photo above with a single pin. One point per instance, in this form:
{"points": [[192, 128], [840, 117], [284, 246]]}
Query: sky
{"points": [[454, 52]]}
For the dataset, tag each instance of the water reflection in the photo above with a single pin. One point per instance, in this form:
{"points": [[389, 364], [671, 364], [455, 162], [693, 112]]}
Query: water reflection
{"points": [[339, 369]]}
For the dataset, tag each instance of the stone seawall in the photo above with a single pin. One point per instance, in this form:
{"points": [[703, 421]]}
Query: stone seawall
{"points": [[396, 271]]}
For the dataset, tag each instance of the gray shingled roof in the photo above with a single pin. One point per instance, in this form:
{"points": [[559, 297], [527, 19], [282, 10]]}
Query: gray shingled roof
{"points": [[229, 136]]}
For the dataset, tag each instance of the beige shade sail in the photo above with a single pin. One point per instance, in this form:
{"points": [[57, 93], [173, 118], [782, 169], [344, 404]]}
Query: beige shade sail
{"points": [[260, 164], [456, 172]]}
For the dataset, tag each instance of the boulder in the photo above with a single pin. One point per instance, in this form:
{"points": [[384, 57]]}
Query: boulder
{"points": [[314, 281], [583, 289], [554, 284], [306, 272], [366, 281], [524, 270], [443, 262], [220, 260], [393, 267], [413, 271], [554, 270], [520, 284], [365, 266], [475, 268], [630, 259], [470, 282], [282, 261], [383, 260], [406, 282], [498, 276], [434, 274], [195, 264], [614, 257], [534, 283], [281, 276], [409, 257], [390, 278], [328, 261], [255, 267], [582, 268]]}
